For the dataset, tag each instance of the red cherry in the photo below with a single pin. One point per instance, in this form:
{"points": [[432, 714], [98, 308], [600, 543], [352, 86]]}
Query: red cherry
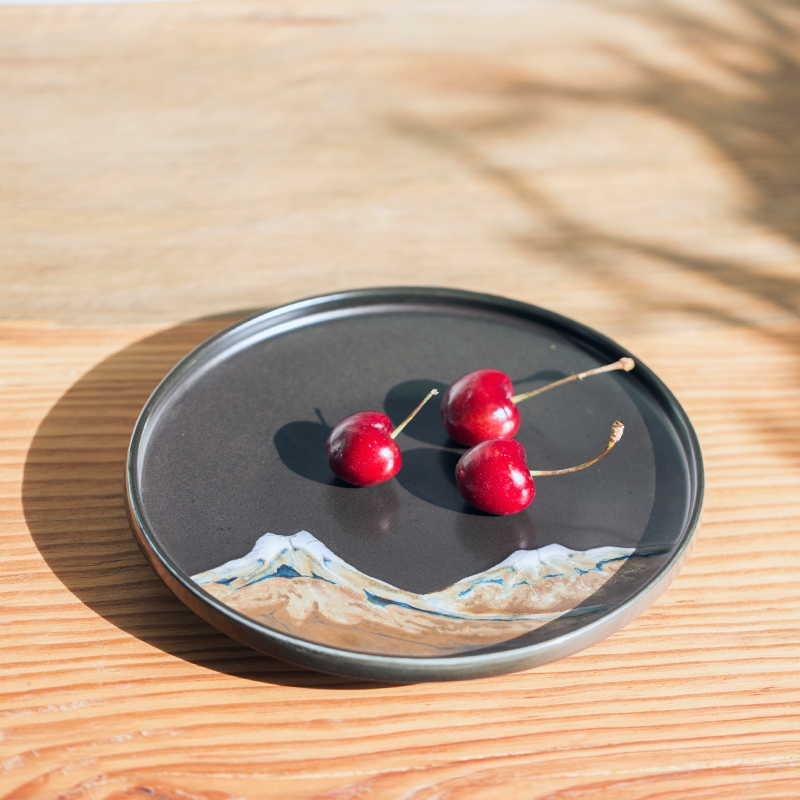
{"points": [[362, 450], [482, 405], [494, 477], [478, 406]]}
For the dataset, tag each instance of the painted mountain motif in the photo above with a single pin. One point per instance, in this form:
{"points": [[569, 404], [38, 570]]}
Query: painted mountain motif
{"points": [[296, 585]]}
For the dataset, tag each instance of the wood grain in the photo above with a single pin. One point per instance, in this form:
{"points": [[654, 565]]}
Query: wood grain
{"points": [[634, 166]]}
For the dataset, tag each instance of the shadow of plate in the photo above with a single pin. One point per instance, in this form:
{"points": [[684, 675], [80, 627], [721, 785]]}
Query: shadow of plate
{"points": [[73, 502]]}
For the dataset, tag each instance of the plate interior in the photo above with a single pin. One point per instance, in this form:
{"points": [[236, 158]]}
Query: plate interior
{"points": [[235, 448]]}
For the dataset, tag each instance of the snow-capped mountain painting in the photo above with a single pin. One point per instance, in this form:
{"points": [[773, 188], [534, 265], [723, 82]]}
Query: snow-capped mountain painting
{"points": [[296, 585]]}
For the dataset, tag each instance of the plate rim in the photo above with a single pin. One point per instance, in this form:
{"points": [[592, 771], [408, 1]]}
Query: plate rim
{"points": [[389, 668]]}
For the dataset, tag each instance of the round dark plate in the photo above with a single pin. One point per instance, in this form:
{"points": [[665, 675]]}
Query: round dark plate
{"points": [[231, 499]]}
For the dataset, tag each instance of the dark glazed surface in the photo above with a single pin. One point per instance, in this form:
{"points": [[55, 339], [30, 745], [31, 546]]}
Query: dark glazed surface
{"points": [[237, 447]]}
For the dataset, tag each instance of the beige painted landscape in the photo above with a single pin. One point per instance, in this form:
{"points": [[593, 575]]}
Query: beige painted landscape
{"points": [[297, 586]]}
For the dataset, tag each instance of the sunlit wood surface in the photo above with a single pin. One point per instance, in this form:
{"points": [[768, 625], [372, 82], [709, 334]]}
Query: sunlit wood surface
{"points": [[166, 167]]}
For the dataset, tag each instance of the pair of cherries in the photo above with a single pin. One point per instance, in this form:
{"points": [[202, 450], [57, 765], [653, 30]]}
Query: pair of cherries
{"points": [[478, 410]]}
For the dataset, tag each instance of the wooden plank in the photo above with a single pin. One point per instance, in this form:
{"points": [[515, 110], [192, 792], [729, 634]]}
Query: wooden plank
{"points": [[626, 165]]}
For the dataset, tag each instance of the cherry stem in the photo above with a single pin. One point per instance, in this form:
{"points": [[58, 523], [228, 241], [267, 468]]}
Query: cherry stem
{"points": [[413, 414], [624, 363], [616, 434]]}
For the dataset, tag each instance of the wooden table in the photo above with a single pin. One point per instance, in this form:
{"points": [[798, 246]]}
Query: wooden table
{"points": [[166, 167]]}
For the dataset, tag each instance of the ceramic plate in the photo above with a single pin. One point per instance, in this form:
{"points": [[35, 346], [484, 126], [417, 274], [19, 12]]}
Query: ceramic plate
{"points": [[232, 501]]}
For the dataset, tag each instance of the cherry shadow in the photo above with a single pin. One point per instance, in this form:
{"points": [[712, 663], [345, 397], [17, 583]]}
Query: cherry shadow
{"points": [[430, 475], [73, 502], [544, 376], [427, 426], [301, 447]]}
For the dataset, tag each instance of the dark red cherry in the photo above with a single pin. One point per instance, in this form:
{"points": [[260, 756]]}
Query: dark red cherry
{"points": [[478, 406], [362, 451], [482, 405], [494, 477]]}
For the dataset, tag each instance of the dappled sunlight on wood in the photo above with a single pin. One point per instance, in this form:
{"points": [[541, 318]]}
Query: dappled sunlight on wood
{"points": [[633, 164], [662, 184]]}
